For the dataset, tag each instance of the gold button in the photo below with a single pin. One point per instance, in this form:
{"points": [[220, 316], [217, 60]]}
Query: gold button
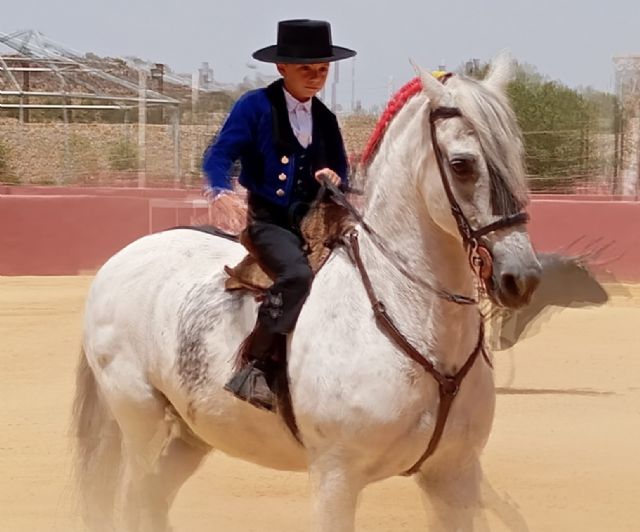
{"points": [[280, 192], [284, 159], [282, 177]]}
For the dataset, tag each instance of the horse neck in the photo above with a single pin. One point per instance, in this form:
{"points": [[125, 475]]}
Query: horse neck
{"points": [[398, 214]]}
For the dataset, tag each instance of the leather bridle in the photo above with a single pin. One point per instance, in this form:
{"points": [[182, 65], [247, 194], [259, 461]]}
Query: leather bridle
{"points": [[473, 239]]}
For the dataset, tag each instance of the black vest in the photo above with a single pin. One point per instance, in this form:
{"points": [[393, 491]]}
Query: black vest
{"points": [[326, 150], [305, 191]]}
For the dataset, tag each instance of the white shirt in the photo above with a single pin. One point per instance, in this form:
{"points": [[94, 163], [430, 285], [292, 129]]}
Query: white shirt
{"points": [[300, 118]]}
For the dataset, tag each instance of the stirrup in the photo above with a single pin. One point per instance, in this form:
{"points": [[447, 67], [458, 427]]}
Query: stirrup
{"points": [[250, 384]]}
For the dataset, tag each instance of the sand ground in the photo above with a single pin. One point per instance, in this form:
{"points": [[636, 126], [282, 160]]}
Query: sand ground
{"points": [[563, 455]]}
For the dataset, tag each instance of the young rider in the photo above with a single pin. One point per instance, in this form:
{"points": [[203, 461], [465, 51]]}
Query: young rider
{"points": [[287, 141]]}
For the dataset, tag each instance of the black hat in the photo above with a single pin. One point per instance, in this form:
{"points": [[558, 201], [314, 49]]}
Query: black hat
{"points": [[301, 42]]}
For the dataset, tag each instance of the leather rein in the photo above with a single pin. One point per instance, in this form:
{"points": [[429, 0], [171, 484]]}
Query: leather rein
{"points": [[480, 261]]}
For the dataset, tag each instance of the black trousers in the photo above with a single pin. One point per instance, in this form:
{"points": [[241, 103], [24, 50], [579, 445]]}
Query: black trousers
{"points": [[279, 246]]}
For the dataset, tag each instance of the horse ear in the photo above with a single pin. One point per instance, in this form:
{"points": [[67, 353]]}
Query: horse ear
{"points": [[430, 85], [501, 73]]}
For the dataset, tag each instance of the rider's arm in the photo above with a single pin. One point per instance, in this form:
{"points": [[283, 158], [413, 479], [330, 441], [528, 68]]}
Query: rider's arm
{"points": [[232, 140]]}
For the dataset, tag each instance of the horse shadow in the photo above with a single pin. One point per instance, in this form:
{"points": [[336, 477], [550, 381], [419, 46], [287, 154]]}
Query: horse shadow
{"points": [[566, 282]]}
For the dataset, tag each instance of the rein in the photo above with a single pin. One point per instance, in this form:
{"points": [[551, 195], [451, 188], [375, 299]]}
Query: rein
{"points": [[338, 197]]}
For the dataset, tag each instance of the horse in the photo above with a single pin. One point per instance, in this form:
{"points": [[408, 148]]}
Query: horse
{"points": [[380, 347]]}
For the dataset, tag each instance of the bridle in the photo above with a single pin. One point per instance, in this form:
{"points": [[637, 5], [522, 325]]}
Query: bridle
{"points": [[480, 257], [480, 261]]}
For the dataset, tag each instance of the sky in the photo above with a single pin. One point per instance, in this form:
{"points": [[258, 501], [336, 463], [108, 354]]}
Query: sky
{"points": [[572, 41]]}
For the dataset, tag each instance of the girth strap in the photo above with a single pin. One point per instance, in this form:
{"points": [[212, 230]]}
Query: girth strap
{"points": [[448, 385]]}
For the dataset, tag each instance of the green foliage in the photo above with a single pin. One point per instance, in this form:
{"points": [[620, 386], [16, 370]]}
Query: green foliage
{"points": [[556, 121], [6, 172], [81, 159], [123, 155], [4, 159]]}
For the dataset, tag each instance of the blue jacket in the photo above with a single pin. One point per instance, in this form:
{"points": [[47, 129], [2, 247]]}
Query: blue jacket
{"points": [[258, 132]]}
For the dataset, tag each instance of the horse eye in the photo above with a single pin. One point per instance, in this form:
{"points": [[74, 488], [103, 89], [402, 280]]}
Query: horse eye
{"points": [[464, 168]]}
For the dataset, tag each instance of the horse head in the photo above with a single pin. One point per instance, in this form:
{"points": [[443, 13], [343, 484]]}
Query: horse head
{"points": [[473, 180]]}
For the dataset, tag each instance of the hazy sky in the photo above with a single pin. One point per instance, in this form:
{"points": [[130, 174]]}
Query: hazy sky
{"points": [[569, 40]]}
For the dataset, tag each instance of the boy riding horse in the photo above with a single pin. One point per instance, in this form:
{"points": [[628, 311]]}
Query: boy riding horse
{"points": [[287, 142]]}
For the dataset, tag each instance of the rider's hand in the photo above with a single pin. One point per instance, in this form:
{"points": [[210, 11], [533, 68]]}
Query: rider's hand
{"points": [[329, 174], [228, 212]]}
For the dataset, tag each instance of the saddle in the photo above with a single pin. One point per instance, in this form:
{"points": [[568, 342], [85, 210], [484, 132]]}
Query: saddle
{"points": [[321, 229]]}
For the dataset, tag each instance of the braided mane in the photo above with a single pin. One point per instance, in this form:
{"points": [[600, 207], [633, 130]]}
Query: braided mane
{"points": [[495, 125], [396, 103]]}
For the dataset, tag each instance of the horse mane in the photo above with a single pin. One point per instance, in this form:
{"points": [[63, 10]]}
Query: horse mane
{"points": [[495, 125], [396, 103]]}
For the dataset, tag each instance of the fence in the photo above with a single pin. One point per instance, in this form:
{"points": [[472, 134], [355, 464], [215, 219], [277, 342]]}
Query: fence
{"points": [[108, 154], [101, 154]]}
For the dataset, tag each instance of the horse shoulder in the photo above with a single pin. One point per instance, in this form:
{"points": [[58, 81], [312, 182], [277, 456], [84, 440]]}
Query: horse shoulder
{"points": [[346, 379]]}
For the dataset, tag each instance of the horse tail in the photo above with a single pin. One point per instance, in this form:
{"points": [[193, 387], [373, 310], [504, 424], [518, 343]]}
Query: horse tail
{"points": [[98, 450]]}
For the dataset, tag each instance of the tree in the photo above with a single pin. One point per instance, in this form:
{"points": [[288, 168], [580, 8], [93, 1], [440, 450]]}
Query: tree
{"points": [[560, 126]]}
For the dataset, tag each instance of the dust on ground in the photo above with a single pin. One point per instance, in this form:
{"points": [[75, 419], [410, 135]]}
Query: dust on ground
{"points": [[562, 454]]}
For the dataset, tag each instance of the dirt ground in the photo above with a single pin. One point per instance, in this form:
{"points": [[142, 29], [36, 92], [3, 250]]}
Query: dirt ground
{"points": [[563, 455]]}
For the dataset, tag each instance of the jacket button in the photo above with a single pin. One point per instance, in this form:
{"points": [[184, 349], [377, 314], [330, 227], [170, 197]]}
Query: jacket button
{"points": [[284, 159], [282, 177], [280, 192]]}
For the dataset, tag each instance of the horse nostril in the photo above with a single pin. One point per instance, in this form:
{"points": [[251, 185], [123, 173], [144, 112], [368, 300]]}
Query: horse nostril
{"points": [[520, 286], [510, 284]]}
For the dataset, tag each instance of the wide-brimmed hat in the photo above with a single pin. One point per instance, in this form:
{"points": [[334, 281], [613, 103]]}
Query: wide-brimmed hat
{"points": [[303, 41]]}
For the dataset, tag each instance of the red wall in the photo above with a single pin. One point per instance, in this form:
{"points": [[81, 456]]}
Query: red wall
{"points": [[65, 235], [606, 232], [35, 190], [55, 231]]}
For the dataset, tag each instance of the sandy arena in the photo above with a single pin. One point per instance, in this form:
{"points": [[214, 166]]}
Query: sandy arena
{"points": [[563, 455]]}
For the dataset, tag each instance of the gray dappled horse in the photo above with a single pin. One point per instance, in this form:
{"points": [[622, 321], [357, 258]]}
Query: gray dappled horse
{"points": [[160, 334]]}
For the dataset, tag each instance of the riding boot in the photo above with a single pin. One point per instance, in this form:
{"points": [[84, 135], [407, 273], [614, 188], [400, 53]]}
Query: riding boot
{"points": [[252, 382]]}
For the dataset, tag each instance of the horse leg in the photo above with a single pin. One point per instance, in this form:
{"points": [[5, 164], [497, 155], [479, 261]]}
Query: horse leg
{"points": [[335, 491], [97, 452], [453, 498], [157, 460]]}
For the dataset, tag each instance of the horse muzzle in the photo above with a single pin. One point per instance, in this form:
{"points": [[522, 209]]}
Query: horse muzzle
{"points": [[513, 287]]}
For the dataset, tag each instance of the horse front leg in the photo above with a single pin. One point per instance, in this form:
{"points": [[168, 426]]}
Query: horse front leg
{"points": [[452, 498], [335, 490]]}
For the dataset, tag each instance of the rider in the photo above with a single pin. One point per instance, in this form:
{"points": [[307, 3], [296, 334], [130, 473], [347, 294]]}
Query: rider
{"points": [[287, 141]]}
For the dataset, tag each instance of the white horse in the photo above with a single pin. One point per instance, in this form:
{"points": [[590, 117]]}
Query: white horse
{"points": [[160, 334]]}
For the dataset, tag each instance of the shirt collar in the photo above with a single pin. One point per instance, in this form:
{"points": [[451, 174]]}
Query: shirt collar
{"points": [[293, 103]]}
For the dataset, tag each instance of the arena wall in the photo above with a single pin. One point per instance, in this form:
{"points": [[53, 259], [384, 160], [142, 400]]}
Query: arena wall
{"points": [[60, 231], [604, 231]]}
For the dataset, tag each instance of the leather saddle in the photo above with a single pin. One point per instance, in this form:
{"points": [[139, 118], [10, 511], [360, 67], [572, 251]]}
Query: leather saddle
{"points": [[322, 229]]}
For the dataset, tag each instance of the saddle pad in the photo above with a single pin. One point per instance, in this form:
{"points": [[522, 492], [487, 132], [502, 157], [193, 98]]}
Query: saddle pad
{"points": [[322, 228]]}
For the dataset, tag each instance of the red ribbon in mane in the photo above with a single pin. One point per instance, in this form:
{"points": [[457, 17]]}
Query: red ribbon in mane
{"points": [[396, 103]]}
